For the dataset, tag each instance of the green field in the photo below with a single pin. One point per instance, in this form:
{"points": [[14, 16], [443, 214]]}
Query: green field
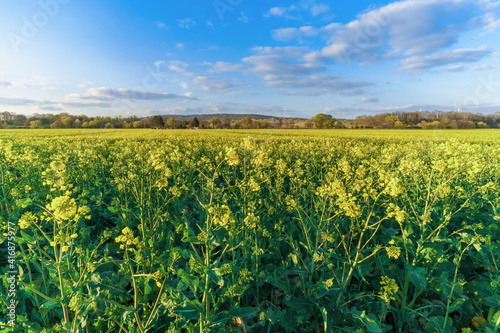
{"points": [[251, 230]]}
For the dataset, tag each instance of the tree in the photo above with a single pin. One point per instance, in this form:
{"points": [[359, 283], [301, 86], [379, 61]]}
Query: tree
{"points": [[338, 124], [157, 122], [226, 123], [67, 122], [264, 124], [309, 123], [322, 120], [36, 124], [194, 122], [138, 124], [7, 117], [20, 120], [215, 122], [171, 122], [246, 122], [399, 124]]}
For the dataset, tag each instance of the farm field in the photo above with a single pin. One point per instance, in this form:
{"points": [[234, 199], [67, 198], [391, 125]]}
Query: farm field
{"points": [[251, 230]]}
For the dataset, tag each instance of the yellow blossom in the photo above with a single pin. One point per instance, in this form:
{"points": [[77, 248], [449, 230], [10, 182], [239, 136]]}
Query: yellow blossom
{"points": [[63, 208]]}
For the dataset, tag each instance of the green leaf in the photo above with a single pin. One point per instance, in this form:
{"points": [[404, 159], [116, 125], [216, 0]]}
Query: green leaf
{"points": [[187, 313], [324, 313], [492, 301], [417, 277], [148, 289], [26, 237], [457, 304], [244, 312], [112, 209], [217, 279], [128, 313], [299, 303], [186, 282], [50, 305], [367, 320]]}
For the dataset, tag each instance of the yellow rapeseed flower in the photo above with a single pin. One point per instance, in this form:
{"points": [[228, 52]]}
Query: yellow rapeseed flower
{"points": [[63, 208]]}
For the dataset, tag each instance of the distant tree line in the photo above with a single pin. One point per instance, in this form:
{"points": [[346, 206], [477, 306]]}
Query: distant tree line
{"points": [[398, 120], [428, 120], [64, 120]]}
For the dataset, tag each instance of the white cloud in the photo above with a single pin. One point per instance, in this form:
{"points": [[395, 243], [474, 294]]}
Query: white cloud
{"points": [[284, 67], [484, 68], [292, 12], [186, 23], [421, 63], [280, 61], [175, 110], [406, 27], [212, 83], [369, 100], [19, 101], [496, 56], [179, 45], [317, 84], [85, 84], [177, 66], [279, 11], [491, 24], [450, 69], [285, 34], [161, 25], [53, 105], [209, 23], [109, 94], [224, 67], [50, 108], [317, 10], [43, 83], [288, 34], [159, 63]]}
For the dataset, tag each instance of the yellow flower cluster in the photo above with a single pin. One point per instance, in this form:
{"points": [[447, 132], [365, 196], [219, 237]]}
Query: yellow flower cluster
{"points": [[27, 219], [252, 221], [127, 238], [388, 288], [63, 207], [221, 215], [232, 157], [393, 252], [396, 212]]}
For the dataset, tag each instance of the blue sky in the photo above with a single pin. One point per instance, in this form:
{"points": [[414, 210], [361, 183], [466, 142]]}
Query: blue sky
{"points": [[240, 56]]}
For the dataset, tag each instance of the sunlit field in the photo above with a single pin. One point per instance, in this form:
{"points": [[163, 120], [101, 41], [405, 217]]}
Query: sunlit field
{"points": [[251, 230]]}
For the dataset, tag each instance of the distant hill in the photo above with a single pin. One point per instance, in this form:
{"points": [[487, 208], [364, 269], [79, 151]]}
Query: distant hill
{"points": [[232, 116]]}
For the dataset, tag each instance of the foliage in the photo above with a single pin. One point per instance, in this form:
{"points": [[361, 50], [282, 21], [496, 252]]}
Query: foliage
{"points": [[209, 231]]}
